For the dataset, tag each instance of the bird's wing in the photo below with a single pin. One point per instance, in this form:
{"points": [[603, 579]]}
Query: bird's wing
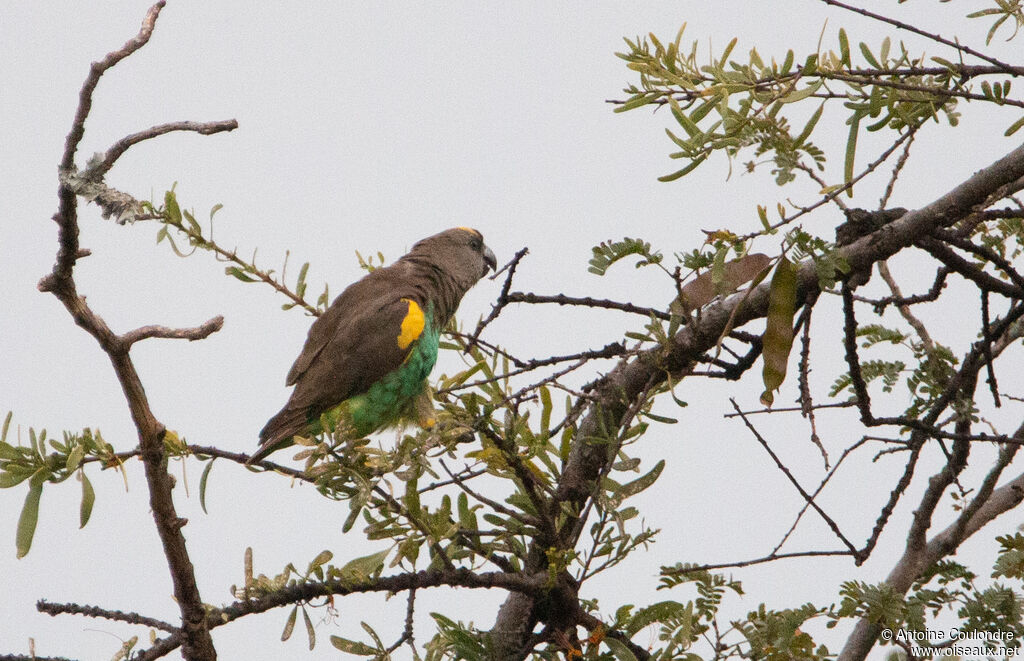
{"points": [[375, 291], [356, 349]]}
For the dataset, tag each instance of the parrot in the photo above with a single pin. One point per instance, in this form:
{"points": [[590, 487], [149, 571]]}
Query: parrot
{"points": [[367, 357]]}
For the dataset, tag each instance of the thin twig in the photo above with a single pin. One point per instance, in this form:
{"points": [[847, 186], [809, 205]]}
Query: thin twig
{"points": [[190, 334], [54, 609], [918, 31], [758, 561], [986, 338], [806, 496], [502, 301], [587, 301]]}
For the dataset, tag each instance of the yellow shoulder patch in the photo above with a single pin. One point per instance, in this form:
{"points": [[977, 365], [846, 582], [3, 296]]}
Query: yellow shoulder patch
{"points": [[412, 324]]}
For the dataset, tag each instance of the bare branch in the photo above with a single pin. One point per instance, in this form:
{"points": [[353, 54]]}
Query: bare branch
{"points": [[772, 557], [961, 266], [51, 608], [95, 72], [587, 301], [502, 301], [904, 309], [100, 168], [190, 334], [829, 521], [197, 643]]}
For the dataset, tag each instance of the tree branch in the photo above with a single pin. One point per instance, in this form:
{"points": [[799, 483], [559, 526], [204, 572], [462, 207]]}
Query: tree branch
{"points": [[928, 35], [617, 389], [54, 609], [197, 643], [190, 334], [303, 592], [945, 543], [100, 168]]}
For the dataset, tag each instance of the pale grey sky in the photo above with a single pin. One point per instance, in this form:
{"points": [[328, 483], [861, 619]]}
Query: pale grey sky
{"points": [[366, 126]]}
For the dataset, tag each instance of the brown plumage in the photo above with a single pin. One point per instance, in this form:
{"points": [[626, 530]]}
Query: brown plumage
{"points": [[373, 347]]}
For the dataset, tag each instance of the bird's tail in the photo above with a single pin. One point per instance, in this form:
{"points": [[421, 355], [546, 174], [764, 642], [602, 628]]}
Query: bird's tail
{"points": [[279, 431]]}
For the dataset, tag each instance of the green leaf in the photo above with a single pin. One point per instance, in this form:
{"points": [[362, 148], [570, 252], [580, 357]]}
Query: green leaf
{"points": [[7, 425], [640, 483], [545, 411], [564, 446], [88, 498], [193, 225], [412, 497], [810, 65], [718, 270], [352, 646], [365, 567], [9, 479], [300, 287], [811, 123], [239, 273], [619, 649], [688, 125], [608, 252], [8, 452], [171, 205], [202, 485], [28, 519], [664, 419], [75, 457], [787, 64], [702, 110], [350, 520], [289, 626], [685, 171], [633, 103], [803, 93], [321, 558], [1010, 131], [662, 611], [778, 333], [467, 518], [722, 61], [884, 52], [869, 56], [844, 48], [851, 151], [310, 633]]}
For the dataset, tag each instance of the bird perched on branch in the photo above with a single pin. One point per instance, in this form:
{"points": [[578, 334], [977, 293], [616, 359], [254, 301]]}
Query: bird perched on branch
{"points": [[366, 359]]}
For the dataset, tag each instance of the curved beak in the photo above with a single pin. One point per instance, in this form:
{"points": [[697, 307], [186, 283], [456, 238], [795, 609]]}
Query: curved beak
{"points": [[490, 260]]}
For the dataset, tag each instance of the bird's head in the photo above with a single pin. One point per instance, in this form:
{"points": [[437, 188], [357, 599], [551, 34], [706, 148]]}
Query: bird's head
{"points": [[460, 252]]}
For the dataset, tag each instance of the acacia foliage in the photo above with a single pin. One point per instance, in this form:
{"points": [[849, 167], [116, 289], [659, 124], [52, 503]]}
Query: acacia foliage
{"points": [[525, 482]]}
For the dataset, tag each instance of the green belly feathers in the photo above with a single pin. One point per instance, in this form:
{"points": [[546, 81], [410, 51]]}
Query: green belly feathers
{"points": [[391, 400]]}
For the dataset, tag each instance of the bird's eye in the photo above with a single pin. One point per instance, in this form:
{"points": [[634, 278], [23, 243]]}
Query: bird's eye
{"points": [[475, 244]]}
